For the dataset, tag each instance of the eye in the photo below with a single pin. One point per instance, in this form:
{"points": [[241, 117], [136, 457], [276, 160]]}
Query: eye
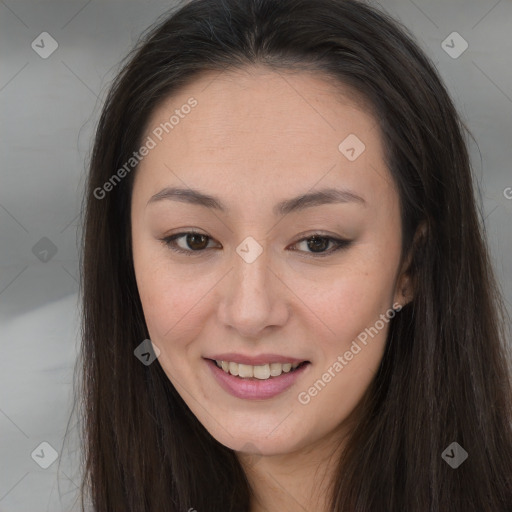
{"points": [[317, 244], [195, 242]]}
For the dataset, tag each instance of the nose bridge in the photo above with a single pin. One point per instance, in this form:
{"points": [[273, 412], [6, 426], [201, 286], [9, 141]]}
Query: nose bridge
{"points": [[251, 299], [252, 263], [251, 273]]}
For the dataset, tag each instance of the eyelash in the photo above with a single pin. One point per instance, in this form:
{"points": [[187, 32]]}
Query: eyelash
{"points": [[170, 242]]}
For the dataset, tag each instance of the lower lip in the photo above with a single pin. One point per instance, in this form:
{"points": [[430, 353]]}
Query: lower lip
{"points": [[255, 389]]}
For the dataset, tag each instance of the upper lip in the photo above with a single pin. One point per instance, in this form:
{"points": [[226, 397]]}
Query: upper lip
{"points": [[260, 359]]}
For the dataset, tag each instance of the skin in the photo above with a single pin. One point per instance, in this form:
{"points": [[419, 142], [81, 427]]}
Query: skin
{"points": [[257, 137]]}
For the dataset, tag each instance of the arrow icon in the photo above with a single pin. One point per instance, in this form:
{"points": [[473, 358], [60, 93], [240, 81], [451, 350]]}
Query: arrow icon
{"points": [[249, 249], [454, 45], [146, 352], [44, 455], [351, 147], [44, 250], [454, 455], [44, 45]]}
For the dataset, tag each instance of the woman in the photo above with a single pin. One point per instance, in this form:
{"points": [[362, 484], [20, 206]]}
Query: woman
{"points": [[288, 300]]}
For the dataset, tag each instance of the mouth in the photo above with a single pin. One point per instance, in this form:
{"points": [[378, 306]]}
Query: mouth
{"points": [[257, 372], [257, 382]]}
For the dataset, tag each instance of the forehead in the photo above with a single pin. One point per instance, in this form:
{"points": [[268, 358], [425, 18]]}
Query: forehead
{"points": [[259, 130]]}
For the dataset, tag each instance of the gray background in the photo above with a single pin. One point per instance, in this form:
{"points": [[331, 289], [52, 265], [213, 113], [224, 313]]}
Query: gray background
{"points": [[49, 108]]}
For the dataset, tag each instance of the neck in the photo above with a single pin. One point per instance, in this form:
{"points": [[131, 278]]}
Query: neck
{"points": [[295, 481]]}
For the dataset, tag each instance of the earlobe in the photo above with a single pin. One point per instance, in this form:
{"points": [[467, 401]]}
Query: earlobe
{"points": [[405, 288], [405, 292]]}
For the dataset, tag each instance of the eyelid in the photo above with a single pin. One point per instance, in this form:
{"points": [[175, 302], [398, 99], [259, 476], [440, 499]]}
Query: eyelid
{"points": [[169, 241], [340, 243]]}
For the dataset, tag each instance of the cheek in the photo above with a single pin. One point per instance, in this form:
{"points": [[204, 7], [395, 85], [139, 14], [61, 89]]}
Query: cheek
{"points": [[346, 301], [172, 301], [355, 311], [165, 304], [347, 365]]}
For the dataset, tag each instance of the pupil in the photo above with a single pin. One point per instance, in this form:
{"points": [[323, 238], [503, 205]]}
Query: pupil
{"points": [[193, 237], [317, 243]]}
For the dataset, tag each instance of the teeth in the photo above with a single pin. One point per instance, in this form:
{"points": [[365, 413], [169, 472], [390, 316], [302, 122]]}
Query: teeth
{"points": [[233, 368], [261, 372], [244, 370], [276, 369]]}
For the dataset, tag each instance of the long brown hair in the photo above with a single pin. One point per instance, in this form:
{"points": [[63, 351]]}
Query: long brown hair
{"points": [[444, 376]]}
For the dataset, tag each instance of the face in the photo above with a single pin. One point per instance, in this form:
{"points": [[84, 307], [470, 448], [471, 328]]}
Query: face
{"points": [[266, 278]]}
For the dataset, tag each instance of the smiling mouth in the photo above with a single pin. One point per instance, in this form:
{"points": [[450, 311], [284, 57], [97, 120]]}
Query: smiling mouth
{"points": [[258, 372]]}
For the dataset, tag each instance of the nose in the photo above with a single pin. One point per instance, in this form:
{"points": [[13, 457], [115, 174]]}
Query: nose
{"points": [[254, 297]]}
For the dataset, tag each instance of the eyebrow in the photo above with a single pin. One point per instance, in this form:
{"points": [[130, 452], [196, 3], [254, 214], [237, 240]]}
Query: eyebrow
{"points": [[294, 204]]}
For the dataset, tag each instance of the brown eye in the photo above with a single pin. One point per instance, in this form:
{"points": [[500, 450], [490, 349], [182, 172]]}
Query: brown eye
{"points": [[196, 242], [317, 244], [192, 242]]}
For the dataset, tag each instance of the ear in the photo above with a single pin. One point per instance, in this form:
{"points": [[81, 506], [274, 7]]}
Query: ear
{"points": [[404, 291]]}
